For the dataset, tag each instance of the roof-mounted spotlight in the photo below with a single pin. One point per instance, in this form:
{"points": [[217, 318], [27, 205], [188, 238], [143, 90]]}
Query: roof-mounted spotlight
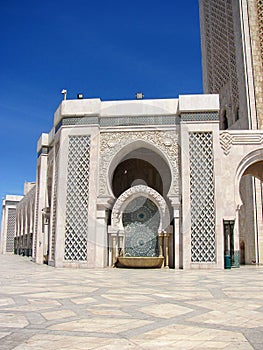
{"points": [[64, 92], [139, 96], [80, 96]]}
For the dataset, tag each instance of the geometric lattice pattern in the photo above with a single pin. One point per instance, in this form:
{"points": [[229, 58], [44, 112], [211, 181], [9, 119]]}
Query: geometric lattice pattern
{"points": [[260, 24], [199, 116], [54, 202], [76, 236], [121, 121], [220, 48], [202, 197], [10, 234]]}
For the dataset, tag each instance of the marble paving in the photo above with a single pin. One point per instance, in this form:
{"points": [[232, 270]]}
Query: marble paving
{"points": [[46, 308]]}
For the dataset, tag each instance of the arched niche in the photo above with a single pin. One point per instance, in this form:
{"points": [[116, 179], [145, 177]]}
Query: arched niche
{"points": [[135, 171], [139, 191]]}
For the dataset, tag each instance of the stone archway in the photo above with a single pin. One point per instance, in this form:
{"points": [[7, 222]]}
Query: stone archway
{"points": [[115, 147], [138, 216], [248, 191], [161, 149], [132, 193], [251, 164]]}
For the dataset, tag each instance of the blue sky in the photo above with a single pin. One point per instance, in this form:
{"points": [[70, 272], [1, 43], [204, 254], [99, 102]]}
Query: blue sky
{"points": [[106, 49]]}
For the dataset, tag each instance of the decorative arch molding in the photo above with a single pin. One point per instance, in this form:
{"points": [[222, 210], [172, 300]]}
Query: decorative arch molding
{"points": [[132, 193], [250, 159], [114, 146]]}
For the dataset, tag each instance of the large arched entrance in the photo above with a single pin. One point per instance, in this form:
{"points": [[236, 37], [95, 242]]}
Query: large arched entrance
{"points": [[141, 219], [249, 199]]}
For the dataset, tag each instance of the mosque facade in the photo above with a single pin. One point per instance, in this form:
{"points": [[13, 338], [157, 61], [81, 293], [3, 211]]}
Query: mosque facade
{"points": [[175, 181], [146, 183]]}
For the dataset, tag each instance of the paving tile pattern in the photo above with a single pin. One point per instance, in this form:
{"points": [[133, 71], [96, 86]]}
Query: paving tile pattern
{"points": [[46, 308]]}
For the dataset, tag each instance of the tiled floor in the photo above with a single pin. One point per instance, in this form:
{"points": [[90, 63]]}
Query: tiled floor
{"points": [[46, 308]]}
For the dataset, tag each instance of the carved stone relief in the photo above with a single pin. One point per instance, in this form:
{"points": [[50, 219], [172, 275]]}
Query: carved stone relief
{"points": [[228, 139], [112, 142]]}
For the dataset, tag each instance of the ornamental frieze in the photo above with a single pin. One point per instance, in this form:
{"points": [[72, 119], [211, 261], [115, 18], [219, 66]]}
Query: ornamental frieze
{"points": [[231, 138]]}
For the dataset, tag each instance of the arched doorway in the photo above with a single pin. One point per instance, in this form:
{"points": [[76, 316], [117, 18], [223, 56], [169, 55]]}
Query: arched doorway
{"points": [[249, 199], [142, 164]]}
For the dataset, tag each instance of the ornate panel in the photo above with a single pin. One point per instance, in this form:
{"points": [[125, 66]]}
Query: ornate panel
{"points": [[199, 116], [202, 197], [141, 219], [220, 48], [260, 24], [54, 204], [11, 222], [77, 201], [112, 143], [121, 120]]}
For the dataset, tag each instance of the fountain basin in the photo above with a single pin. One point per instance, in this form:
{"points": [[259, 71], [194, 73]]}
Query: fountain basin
{"points": [[142, 262]]}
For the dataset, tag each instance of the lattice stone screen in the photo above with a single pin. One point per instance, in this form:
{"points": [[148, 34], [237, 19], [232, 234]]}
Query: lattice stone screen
{"points": [[260, 24], [77, 198], [202, 197], [220, 46], [54, 210], [10, 234]]}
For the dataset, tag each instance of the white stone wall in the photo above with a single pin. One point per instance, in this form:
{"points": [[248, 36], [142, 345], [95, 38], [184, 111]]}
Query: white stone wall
{"points": [[8, 224], [115, 135], [25, 221]]}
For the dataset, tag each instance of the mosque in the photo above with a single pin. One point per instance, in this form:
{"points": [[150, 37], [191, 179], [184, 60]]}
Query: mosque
{"points": [[168, 183], [146, 182]]}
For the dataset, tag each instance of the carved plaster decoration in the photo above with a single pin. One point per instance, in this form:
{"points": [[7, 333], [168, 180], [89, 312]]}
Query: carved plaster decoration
{"points": [[112, 142], [131, 193], [225, 142], [228, 139]]}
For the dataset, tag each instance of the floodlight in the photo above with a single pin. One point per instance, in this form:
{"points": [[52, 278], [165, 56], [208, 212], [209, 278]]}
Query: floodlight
{"points": [[64, 92], [139, 96]]}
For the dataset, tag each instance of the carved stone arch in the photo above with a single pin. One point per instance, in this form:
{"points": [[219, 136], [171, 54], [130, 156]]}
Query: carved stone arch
{"points": [[115, 145], [250, 159], [132, 193]]}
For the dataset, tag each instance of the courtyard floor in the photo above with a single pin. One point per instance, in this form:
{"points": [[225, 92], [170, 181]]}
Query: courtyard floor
{"points": [[46, 308]]}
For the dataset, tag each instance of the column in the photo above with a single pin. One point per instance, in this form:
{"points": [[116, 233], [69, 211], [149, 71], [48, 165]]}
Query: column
{"points": [[175, 201], [166, 247], [160, 241], [236, 241], [41, 186]]}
